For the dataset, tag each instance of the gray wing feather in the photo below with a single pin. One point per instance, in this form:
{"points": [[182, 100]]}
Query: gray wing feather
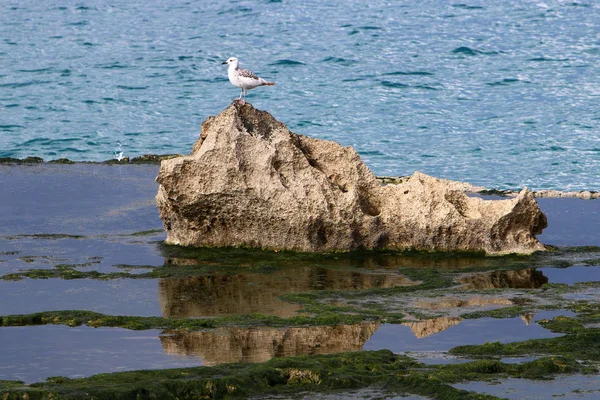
{"points": [[247, 74]]}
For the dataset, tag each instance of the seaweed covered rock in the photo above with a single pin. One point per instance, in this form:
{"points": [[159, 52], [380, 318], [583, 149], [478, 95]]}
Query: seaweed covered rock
{"points": [[249, 181]]}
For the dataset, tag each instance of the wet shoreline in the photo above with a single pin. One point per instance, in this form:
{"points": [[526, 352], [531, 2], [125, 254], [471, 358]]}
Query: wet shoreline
{"points": [[87, 237]]}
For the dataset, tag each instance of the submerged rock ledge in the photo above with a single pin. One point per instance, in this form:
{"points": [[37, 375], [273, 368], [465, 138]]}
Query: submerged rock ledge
{"points": [[251, 182]]}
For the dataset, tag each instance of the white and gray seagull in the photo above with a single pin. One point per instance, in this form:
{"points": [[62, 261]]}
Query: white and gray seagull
{"points": [[243, 78]]}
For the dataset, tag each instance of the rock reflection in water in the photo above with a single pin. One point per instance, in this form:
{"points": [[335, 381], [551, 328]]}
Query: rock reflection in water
{"points": [[529, 278], [527, 318], [259, 344], [428, 327], [476, 301], [387, 261], [246, 293]]}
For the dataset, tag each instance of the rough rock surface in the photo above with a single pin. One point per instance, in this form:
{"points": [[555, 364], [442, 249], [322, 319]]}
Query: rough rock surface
{"points": [[251, 182]]}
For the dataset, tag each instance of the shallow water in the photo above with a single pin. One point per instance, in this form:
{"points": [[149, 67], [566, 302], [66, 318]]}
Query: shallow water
{"points": [[259, 344], [119, 199], [572, 275], [344, 395], [561, 387], [86, 253], [440, 358], [247, 293], [401, 338], [37, 352], [82, 199], [194, 296], [571, 222], [501, 94], [33, 353], [103, 218], [113, 297]]}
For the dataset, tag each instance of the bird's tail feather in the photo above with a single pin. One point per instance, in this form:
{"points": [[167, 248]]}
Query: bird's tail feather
{"points": [[266, 83]]}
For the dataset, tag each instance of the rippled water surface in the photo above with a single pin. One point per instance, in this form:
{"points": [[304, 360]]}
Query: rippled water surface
{"points": [[502, 94]]}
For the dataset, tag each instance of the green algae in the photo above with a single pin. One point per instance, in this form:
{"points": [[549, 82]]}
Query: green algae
{"points": [[435, 275], [280, 376], [63, 161], [497, 192], [8, 385], [144, 159], [324, 307], [290, 377], [409, 259], [505, 312], [562, 324], [132, 266], [580, 249], [433, 271], [147, 232], [82, 317], [391, 373], [27, 160], [584, 344], [579, 341], [153, 158], [45, 236], [541, 368], [588, 313], [66, 272]]}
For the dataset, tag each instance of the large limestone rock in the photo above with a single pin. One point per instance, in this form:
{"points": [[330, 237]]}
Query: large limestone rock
{"points": [[251, 182]]}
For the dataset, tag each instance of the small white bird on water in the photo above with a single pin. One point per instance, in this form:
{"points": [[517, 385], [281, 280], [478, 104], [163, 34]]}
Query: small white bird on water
{"points": [[243, 78]]}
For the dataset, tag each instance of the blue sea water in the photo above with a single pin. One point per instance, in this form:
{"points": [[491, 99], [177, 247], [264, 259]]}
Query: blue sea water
{"points": [[502, 94]]}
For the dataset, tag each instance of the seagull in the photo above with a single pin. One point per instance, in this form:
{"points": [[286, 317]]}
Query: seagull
{"points": [[243, 78]]}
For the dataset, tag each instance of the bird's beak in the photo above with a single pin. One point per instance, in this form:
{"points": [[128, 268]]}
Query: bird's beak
{"points": [[224, 62]]}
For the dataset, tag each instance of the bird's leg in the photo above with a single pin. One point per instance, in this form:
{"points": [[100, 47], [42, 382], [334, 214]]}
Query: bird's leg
{"points": [[242, 96], [239, 99]]}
